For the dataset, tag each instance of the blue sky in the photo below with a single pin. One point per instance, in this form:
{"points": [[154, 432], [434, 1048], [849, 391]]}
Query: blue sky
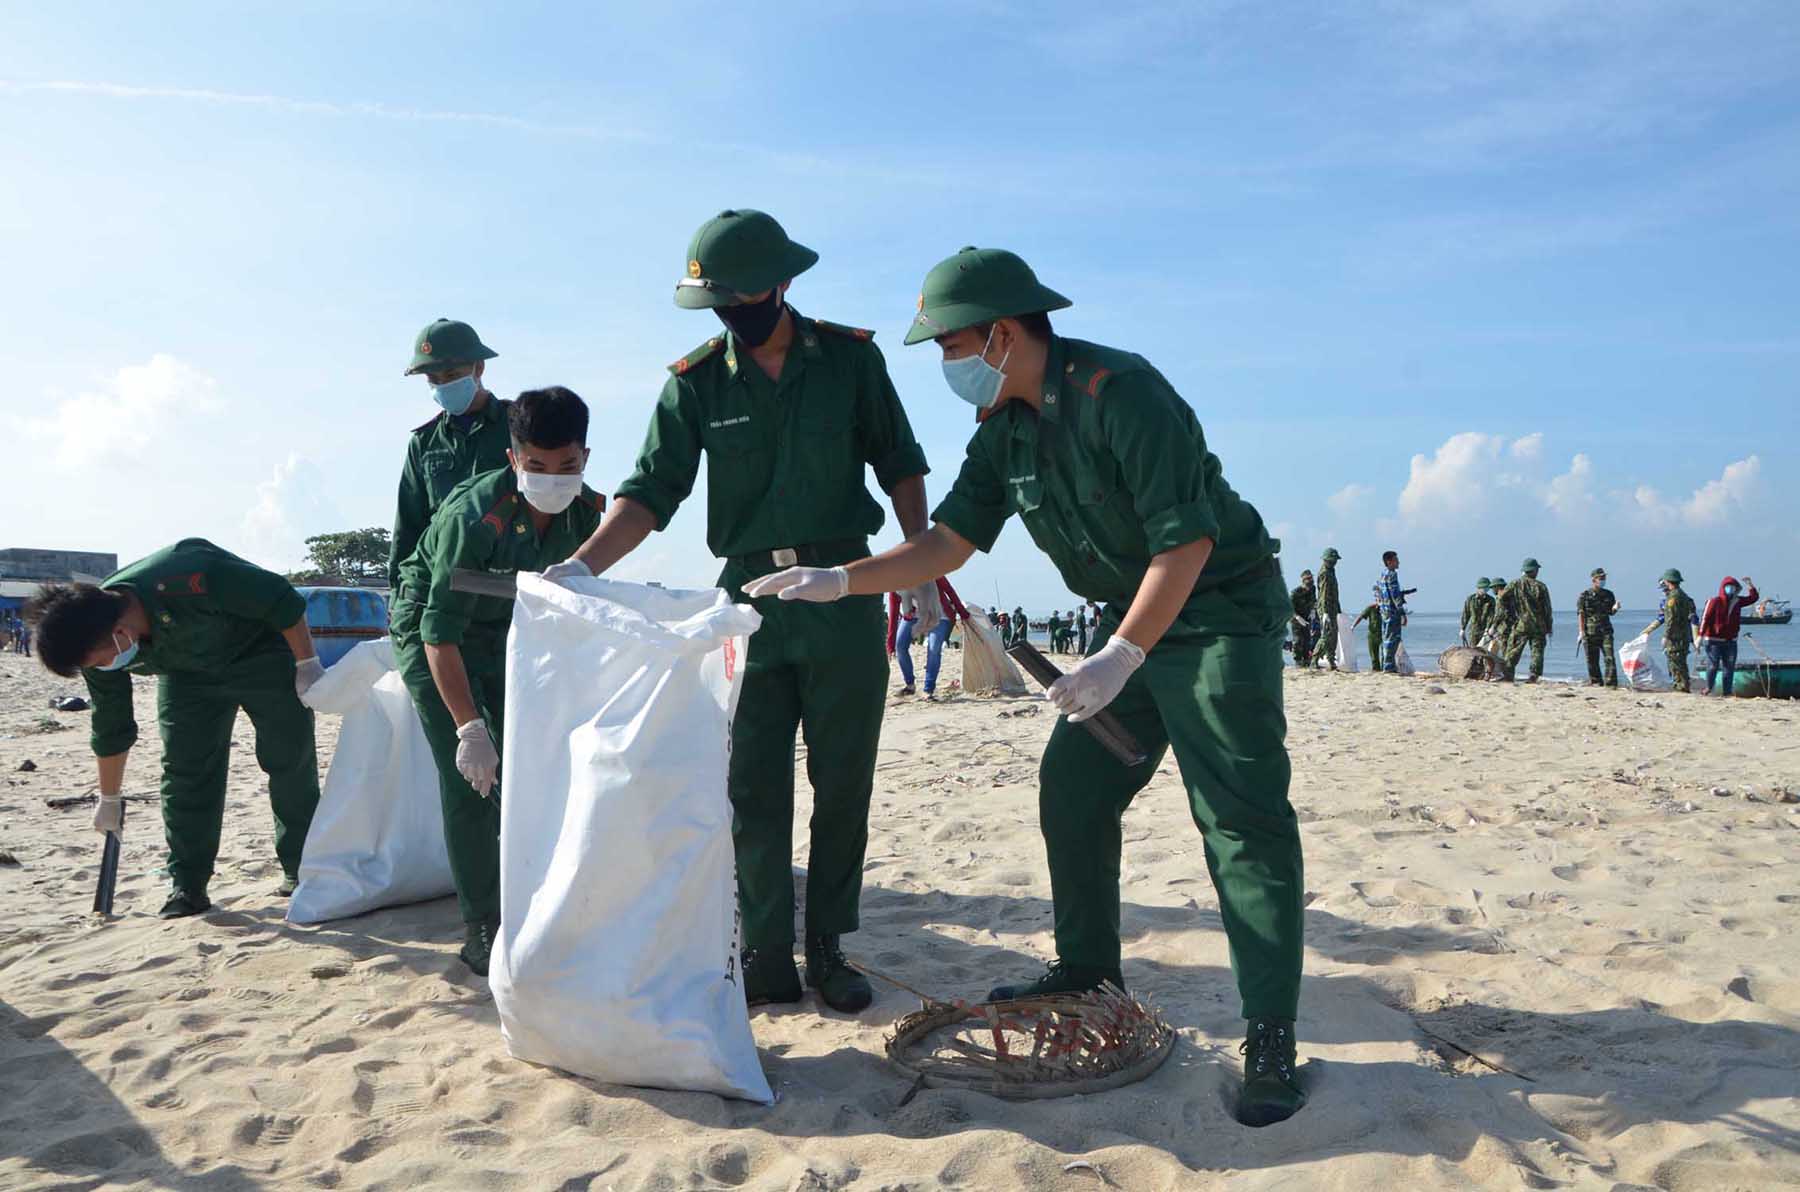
{"points": [[1473, 280]]}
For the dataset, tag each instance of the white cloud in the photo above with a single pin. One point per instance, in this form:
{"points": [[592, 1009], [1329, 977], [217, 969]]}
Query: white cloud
{"points": [[1455, 482], [290, 507], [140, 408], [1712, 504], [1531, 447], [1350, 500], [1571, 494]]}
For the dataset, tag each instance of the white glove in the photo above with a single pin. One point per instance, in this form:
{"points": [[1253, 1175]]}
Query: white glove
{"points": [[820, 585], [1096, 680], [568, 569], [307, 672], [110, 815], [476, 758], [930, 608]]}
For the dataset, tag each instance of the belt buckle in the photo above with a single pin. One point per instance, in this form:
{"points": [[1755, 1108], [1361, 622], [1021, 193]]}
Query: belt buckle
{"points": [[784, 557]]}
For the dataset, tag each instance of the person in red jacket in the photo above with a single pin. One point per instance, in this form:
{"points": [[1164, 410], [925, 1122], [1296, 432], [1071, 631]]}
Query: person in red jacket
{"points": [[1719, 628], [902, 617]]}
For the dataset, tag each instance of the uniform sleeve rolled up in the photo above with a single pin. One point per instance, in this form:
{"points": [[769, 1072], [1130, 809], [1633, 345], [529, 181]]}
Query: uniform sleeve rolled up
{"points": [[669, 460], [883, 431], [975, 506]]}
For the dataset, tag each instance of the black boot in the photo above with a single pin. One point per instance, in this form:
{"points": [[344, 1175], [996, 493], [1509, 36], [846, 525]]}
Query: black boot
{"points": [[478, 944], [770, 977], [843, 988], [1058, 978], [183, 903], [1271, 1091]]}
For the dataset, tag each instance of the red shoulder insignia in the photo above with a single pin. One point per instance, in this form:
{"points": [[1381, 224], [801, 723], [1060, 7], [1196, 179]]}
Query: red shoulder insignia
{"points": [[1098, 379], [498, 515], [196, 583]]}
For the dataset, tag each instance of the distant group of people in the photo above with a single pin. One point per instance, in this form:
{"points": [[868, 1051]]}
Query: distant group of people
{"points": [[1506, 618], [15, 635], [1068, 632]]}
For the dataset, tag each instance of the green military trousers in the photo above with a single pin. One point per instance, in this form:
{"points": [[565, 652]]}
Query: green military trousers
{"points": [[1217, 701], [195, 714], [1374, 632], [471, 823], [1598, 649], [1678, 664], [821, 670], [1515, 649], [1326, 650]]}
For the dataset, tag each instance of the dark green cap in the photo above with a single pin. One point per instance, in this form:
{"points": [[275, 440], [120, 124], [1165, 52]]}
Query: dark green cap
{"points": [[1597, 573], [1499, 581], [1672, 575], [737, 253], [978, 285], [446, 343], [1529, 565], [1331, 554], [1484, 583]]}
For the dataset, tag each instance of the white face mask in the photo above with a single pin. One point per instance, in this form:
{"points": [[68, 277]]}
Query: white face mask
{"points": [[547, 492]]}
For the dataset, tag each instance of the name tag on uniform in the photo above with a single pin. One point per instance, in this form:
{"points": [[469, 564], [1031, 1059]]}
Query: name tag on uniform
{"points": [[729, 422]]}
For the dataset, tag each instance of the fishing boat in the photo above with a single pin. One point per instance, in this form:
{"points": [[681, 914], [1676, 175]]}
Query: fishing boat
{"points": [[1767, 680], [1768, 612]]}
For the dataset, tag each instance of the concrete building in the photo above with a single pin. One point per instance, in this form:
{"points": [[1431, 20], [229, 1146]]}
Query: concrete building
{"points": [[24, 563]]}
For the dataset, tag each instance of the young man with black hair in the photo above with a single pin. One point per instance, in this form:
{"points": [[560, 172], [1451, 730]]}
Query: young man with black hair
{"points": [[451, 646], [220, 634]]}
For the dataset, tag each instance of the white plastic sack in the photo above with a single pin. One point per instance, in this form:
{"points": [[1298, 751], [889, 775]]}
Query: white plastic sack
{"points": [[618, 949], [1642, 665], [986, 668], [377, 838], [1347, 652], [1402, 662]]}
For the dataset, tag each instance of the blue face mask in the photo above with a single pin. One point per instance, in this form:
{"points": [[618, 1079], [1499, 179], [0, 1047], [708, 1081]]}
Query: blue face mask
{"points": [[974, 380], [456, 396], [1731, 589], [126, 654]]}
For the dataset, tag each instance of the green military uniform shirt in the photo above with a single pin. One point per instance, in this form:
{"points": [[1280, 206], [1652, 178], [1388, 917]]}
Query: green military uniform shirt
{"points": [[784, 458], [1477, 610], [439, 456], [1678, 620], [1111, 472], [207, 609], [1595, 606], [1534, 618], [1304, 600], [483, 525]]}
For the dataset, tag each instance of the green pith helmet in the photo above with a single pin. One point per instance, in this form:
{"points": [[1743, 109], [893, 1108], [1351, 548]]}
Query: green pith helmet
{"points": [[1597, 573], [446, 343], [738, 253], [1331, 555], [978, 285], [1672, 575], [1529, 565], [1499, 581], [1484, 583]]}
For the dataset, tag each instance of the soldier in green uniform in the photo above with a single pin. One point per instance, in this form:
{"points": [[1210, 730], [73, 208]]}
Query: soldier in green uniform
{"points": [[1594, 610], [1477, 610], [1329, 608], [1499, 629], [451, 646], [1021, 626], [1679, 618], [788, 412], [467, 437], [1372, 614], [1304, 621], [1108, 468], [220, 634], [1533, 620]]}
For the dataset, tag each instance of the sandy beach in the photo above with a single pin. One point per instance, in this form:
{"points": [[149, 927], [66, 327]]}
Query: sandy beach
{"points": [[1549, 945]]}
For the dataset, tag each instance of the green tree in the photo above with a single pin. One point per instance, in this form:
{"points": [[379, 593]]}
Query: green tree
{"points": [[350, 554]]}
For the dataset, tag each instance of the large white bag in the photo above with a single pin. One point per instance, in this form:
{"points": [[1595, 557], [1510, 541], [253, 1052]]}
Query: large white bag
{"points": [[377, 838], [618, 949], [1402, 660], [1347, 652], [986, 668], [1643, 669]]}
